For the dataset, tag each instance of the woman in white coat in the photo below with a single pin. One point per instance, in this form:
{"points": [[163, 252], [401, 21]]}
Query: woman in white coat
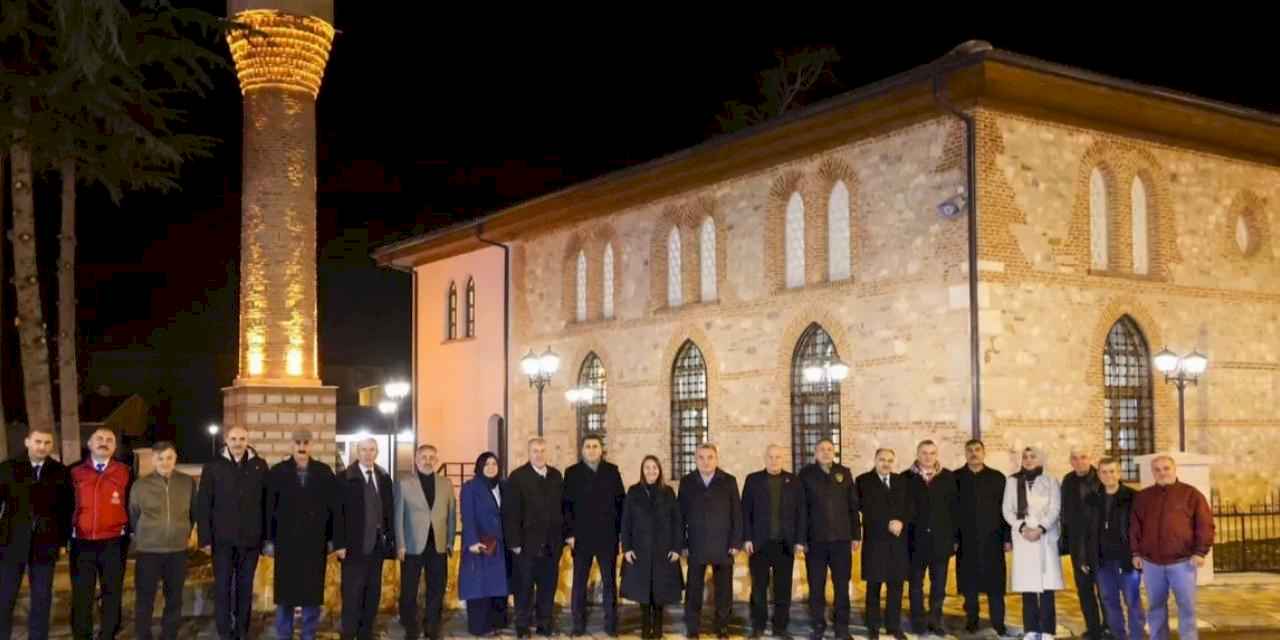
{"points": [[1032, 502]]}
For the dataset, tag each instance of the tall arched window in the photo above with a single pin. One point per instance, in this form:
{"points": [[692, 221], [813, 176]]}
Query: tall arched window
{"points": [[815, 405], [451, 308], [591, 415], [580, 291], [794, 242], [1126, 364], [838, 233], [689, 423], [707, 259], [606, 305], [1141, 237], [471, 308], [1099, 233], [675, 278]]}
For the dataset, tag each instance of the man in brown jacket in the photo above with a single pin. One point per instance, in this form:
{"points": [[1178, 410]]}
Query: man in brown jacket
{"points": [[1170, 533]]}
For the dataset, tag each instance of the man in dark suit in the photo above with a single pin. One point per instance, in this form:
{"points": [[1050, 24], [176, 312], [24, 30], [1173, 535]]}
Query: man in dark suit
{"points": [[773, 524], [363, 538], [712, 513], [984, 537], [593, 496], [886, 512], [36, 503], [831, 511], [933, 537], [533, 523]]}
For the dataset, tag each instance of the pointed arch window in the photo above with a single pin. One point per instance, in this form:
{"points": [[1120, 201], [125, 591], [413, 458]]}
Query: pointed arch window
{"points": [[689, 421], [1129, 430], [815, 400]]}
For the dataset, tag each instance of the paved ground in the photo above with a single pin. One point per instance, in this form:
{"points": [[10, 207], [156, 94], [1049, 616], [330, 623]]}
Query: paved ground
{"points": [[1238, 607]]}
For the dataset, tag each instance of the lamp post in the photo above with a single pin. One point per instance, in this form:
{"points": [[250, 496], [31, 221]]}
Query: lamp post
{"points": [[540, 369], [1181, 371], [829, 372], [213, 439], [391, 409], [397, 391]]}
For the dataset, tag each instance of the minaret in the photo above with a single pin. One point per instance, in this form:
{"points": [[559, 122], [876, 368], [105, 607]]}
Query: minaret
{"points": [[280, 58]]}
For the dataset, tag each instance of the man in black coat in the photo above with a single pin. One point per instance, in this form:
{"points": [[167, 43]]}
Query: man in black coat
{"points": [[231, 524], [831, 511], [773, 525], [712, 513], [933, 536], [533, 523], [593, 496], [300, 505], [36, 503], [887, 509], [1080, 483], [363, 538], [984, 537]]}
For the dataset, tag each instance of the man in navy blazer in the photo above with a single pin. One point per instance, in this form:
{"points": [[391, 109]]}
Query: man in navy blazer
{"points": [[773, 519], [712, 512]]}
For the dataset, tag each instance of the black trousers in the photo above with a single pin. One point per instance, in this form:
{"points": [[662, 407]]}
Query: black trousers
{"points": [[39, 570], [937, 570], [233, 569], [608, 563], [995, 606], [436, 566], [892, 608], [535, 575], [485, 615], [774, 559], [1038, 613], [149, 570], [97, 564], [837, 557], [1087, 592], [361, 593], [722, 581]]}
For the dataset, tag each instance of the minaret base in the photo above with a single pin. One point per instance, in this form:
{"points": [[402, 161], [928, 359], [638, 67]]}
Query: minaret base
{"points": [[272, 413]]}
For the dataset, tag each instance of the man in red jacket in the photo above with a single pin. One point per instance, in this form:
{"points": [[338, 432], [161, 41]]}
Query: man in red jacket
{"points": [[1170, 533], [99, 543]]}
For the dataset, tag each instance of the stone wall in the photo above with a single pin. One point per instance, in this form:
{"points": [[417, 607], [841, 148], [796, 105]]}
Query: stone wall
{"points": [[1046, 313]]}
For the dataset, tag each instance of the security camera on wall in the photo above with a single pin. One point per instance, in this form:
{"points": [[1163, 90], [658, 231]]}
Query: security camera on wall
{"points": [[952, 207]]}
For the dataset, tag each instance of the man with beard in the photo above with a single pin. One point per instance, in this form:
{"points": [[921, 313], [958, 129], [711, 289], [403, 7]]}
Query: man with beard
{"points": [[984, 538], [300, 503]]}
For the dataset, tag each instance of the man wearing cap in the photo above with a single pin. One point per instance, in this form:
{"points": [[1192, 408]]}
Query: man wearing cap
{"points": [[300, 494]]}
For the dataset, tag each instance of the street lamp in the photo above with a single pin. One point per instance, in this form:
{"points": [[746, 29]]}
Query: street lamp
{"points": [[1180, 372], [830, 371], [213, 439], [391, 409], [540, 369]]}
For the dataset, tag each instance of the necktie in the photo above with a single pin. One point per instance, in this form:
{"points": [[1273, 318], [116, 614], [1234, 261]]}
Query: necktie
{"points": [[886, 482], [38, 472], [101, 466], [369, 475]]}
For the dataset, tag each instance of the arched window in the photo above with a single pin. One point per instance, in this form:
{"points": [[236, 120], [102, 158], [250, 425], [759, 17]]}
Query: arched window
{"points": [[689, 422], [580, 292], [1141, 232], [675, 279], [838, 252], [471, 308], [707, 259], [591, 415], [451, 320], [794, 242], [606, 305], [1099, 233], [1127, 406], [815, 404]]}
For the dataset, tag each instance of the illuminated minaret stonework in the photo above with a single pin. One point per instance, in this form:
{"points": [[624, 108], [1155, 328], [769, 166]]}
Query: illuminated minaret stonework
{"points": [[280, 57]]}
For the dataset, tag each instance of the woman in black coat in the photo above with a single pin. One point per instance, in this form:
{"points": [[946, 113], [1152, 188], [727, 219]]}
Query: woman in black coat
{"points": [[651, 541]]}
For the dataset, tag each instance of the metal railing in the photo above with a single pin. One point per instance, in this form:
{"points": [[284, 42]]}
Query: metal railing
{"points": [[1246, 539]]}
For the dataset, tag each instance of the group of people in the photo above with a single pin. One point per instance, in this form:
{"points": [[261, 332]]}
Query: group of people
{"points": [[908, 526]]}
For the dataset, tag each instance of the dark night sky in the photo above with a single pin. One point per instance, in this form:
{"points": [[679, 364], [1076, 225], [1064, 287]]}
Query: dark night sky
{"points": [[423, 123]]}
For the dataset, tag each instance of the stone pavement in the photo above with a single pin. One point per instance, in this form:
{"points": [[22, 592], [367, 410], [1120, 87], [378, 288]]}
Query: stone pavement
{"points": [[1237, 606]]}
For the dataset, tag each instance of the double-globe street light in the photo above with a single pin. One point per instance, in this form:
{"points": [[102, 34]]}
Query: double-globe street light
{"points": [[539, 369], [1181, 371]]}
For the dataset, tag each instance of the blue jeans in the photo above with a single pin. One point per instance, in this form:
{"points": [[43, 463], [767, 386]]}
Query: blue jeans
{"points": [[1115, 578], [1160, 578], [284, 622]]}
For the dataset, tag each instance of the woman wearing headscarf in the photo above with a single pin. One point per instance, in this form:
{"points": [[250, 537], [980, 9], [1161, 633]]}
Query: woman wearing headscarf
{"points": [[482, 571], [1032, 504], [651, 541]]}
